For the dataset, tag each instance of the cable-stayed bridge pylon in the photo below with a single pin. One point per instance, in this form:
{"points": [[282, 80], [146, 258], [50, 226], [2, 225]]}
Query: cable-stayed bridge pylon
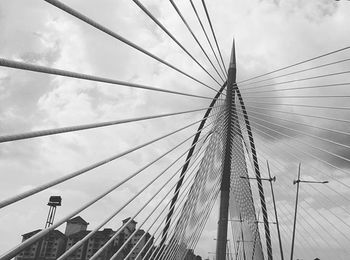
{"points": [[215, 163]]}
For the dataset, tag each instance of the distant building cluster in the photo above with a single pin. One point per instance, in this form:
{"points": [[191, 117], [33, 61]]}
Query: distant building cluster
{"points": [[56, 243]]}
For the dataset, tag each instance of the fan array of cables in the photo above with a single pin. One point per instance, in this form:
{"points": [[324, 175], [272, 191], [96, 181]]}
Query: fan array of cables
{"points": [[291, 119]]}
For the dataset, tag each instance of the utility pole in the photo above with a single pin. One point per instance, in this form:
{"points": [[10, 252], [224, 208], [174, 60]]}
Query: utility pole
{"points": [[226, 175]]}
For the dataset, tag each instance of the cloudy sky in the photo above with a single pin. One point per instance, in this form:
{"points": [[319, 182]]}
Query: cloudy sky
{"points": [[268, 34]]}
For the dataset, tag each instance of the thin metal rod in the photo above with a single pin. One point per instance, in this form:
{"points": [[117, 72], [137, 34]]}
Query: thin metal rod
{"points": [[149, 14], [275, 209], [213, 32], [104, 29], [193, 35], [42, 69], [295, 215], [53, 131], [64, 178], [296, 64]]}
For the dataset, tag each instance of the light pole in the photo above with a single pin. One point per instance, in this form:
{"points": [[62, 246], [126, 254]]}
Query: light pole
{"points": [[297, 182], [272, 179]]}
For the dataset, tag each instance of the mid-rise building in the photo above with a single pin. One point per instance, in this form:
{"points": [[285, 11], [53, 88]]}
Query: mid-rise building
{"points": [[56, 243], [49, 248]]}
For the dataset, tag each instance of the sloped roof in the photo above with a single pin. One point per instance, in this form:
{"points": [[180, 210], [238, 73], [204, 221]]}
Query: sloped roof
{"points": [[55, 233], [127, 219], [78, 220]]}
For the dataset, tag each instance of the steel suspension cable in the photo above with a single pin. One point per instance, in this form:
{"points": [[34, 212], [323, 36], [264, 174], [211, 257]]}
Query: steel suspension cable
{"points": [[318, 170], [196, 237], [309, 135], [71, 74], [149, 14], [301, 105], [333, 237], [104, 29], [193, 35], [44, 232], [296, 64], [81, 242], [182, 198], [298, 88], [200, 227], [164, 219], [311, 186], [297, 72], [298, 80], [139, 240], [53, 131], [191, 151], [96, 255], [304, 143], [168, 230], [213, 32], [297, 96], [64, 178], [167, 250], [306, 153], [304, 115], [206, 35], [286, 187]]}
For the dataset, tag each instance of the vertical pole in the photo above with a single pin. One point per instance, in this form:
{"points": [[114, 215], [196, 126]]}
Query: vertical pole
{"points": [[295, 212], [275, 209], [226, 175], [242, 235]]}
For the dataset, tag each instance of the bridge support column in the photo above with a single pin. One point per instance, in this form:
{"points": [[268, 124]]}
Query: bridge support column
{"points": [[221, 242]]}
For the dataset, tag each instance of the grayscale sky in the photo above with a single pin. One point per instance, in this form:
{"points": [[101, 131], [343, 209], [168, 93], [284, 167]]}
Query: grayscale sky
{"points": [[269, 34]]}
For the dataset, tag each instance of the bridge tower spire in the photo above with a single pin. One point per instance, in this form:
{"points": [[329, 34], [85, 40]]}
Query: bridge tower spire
{"points": [[226, 176]]}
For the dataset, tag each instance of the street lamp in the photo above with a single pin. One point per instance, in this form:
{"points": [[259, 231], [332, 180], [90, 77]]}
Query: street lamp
{"points": [[297, 182], [272, 179]]}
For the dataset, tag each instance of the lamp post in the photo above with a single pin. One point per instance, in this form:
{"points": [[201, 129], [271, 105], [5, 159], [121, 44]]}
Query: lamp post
{"points": [[297, 182], [272, 179]]}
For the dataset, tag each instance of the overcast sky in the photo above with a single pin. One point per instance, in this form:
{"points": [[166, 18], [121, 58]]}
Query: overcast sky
{"points": [[268, 34]]}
